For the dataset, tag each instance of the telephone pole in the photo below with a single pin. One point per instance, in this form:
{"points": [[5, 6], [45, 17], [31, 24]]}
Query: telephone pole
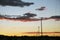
{"points": [[41, 27]]}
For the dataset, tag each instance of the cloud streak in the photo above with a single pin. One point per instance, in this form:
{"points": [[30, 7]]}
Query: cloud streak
{"points": [[27, 17], [15, 3], [57, 18], [41, 8]]}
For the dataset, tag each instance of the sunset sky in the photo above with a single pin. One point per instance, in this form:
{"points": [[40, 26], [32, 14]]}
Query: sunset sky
{"points": [[15, 27]]}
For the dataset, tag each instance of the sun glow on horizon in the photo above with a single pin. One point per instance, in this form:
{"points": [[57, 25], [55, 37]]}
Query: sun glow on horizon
{"points": [[13, 28]]}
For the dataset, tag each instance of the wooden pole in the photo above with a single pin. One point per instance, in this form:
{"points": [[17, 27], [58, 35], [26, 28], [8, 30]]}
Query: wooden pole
{"points": [[41, 27]]}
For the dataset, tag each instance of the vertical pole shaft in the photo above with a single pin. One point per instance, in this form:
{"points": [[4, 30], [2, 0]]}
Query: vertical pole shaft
{"points": [[41, 28]]}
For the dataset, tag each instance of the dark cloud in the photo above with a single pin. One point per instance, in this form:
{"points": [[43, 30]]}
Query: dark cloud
{"points": [[27, 17], [41, 8], [2, 16], [22, 18], [15, 3], [57, 18], [30, 15]]}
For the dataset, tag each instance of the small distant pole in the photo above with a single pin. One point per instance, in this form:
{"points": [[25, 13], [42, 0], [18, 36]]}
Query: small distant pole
{"points": [[38, 30]]}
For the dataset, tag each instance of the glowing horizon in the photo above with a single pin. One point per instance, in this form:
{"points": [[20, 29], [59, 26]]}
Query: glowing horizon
{"points": [[13, 27]]}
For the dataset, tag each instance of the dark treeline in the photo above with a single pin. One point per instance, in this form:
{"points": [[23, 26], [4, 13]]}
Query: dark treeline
{"points": [[2, 37]]}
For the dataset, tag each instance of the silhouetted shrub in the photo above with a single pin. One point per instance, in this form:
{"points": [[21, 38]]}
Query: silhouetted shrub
{"points": [[2, 37]]}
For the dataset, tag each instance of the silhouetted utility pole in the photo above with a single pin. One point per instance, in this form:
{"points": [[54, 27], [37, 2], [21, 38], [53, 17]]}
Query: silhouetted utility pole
{"points": [[41, 27]]}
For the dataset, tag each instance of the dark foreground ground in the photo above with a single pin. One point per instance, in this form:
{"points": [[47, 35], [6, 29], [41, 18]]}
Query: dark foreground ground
{"points": [[2, 37]]}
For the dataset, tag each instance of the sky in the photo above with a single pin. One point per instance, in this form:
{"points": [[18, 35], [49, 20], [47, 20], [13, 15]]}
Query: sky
{"points": [[52, 9]]}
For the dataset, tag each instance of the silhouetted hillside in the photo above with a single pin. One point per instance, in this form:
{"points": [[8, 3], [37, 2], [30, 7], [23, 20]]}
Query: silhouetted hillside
{"points": [[2, 37]]}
